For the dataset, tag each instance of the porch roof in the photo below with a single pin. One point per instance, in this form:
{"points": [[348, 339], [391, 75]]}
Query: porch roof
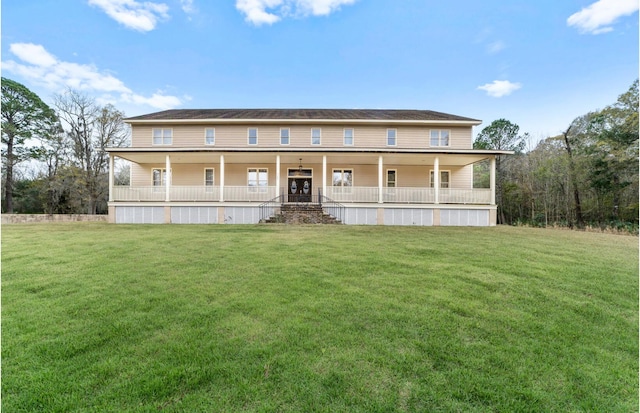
{"points": [[309, 155]]}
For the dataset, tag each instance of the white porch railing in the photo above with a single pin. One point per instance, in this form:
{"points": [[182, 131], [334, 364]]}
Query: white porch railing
{"points": [[195, 193], [139, 193], [249, 193], [353, 193], [409, 195], [361, 194], [465, 196]]}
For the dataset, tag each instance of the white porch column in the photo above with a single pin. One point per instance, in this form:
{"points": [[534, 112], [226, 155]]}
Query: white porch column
{"points": [[221, 178], [277, 175], [380, 179], [167, 179], [324, 175], [492, 180], [111, 174], [436, 180]]}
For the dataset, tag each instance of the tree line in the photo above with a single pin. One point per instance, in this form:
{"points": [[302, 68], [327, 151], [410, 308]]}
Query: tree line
{"points": [[53, 159], [588, 175]]}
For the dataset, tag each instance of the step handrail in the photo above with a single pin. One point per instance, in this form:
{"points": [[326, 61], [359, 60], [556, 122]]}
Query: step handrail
{"points": [[269, 208], [333, 208]]}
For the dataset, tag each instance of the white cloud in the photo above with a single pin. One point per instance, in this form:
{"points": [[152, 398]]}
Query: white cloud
{"points": [[33, 53], [496, 47], [255, 10], [187, 6], [597, 17], [157, 100], [321, 7], [133, 14], [261, 12], [500, 88], [43, 68]]}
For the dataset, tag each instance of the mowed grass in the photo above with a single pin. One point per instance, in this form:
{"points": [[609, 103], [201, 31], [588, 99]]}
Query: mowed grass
{"points": [[120, 318]]}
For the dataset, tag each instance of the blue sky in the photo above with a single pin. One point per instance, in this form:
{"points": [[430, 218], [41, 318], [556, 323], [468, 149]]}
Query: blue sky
{"points": [[536, 63]]}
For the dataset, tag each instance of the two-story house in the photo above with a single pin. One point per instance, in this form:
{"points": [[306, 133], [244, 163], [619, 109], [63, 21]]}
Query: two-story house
{"points": [[383, 167]]}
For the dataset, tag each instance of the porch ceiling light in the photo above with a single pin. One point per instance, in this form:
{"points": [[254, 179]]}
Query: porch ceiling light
{"points": [[299, 171]]}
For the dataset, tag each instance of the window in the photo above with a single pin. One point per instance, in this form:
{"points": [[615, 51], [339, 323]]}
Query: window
{"points": [[162, 136], [257, 178], [253, 136], [315, 136], [444, 179], [391, 137], [284, 136], [439, 137], [343, 177], [208, 177], [209, 136], [348, 136], [391, 178], [159, 177]]}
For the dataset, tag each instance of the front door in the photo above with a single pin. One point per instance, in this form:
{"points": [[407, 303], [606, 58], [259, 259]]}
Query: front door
{"points": [[299, 189]]}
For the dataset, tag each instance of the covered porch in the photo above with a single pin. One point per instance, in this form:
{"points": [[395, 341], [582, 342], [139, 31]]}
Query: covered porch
{"points": [[358, 177]]}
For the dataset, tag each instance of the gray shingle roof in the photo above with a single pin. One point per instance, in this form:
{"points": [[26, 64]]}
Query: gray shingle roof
{"points": [[303, 114]]}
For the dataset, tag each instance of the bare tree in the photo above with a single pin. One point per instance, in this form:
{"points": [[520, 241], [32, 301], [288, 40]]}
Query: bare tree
{"points": [[572, 176], [90, 129]]}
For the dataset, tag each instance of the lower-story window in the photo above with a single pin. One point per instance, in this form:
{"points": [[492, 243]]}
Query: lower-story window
{"points": [[208, 178], [342, 179], [257, 178], [444, 179], [391, 178], [159, 176]]}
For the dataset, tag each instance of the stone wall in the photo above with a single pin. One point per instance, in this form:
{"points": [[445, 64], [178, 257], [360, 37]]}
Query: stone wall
{"points": [[44, 218]]}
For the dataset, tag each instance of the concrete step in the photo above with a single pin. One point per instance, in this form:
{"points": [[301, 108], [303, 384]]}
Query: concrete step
{"points": [[302, 214]]}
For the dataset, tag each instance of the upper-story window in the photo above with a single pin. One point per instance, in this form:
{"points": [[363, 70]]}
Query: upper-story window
{"points": [[348, 136], [316, 134], [391, 137], [439, 137], [162, 136], [284, 136], [252, 136], [210, 136]]}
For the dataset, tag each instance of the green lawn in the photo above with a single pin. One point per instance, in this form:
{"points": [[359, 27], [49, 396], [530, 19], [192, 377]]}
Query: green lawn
{"points": [[121, 318]]}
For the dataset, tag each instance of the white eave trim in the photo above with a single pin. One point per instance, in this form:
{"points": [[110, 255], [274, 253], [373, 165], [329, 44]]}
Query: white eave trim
{"points": [[312, 150]]}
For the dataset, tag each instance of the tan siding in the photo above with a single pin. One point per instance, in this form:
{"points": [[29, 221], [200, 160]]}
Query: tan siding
{"points": [[141, 136], [412, 137], [144, 176], [461, 177], [459, 138], [236, 174], [235, 136], [140, 175], [193, 175], [232, 136], [363, 175], [412, 176], [189, 136]]}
